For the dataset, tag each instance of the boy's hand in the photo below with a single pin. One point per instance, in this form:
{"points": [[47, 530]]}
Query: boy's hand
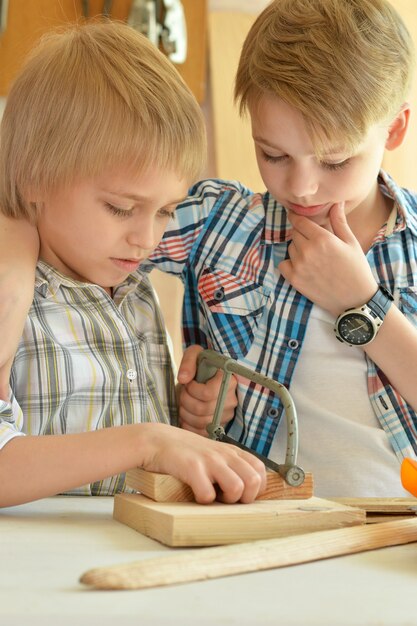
{"points": [[202, 464], [197, 401], [327, 265]]}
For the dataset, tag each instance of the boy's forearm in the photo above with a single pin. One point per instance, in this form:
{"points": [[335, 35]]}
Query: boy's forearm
{"points": [[394, 350], [34, 467], [19, 248]]}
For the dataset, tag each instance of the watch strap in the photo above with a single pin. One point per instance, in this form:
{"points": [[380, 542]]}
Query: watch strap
{"points": [[380, 302]]}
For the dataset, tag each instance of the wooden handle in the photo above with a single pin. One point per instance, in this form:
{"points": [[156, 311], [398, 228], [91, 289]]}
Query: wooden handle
{"points": [[234, 559]]}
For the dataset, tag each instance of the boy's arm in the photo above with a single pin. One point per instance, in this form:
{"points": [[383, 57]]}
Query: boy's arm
{"points": [[331, 269], [19, 247], [33, 467]]}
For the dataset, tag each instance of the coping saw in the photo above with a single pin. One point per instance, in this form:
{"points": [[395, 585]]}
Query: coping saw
{"points": [[208, 362]]}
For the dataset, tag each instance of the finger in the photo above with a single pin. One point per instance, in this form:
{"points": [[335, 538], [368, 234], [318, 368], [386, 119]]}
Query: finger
{"points": [[285, 268], [202, 486], [304, 226], [252, 474], [197, 399], [208, 391], [293, 253], [198, 431], [188, 366], [198, 421], [339, 223]]}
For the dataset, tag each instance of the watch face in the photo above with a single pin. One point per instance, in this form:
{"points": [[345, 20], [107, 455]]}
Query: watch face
{"points": [[356, 329]]}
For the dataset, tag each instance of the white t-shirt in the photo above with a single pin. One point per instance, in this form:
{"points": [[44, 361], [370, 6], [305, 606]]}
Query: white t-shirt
{"points": [[340, 439]]}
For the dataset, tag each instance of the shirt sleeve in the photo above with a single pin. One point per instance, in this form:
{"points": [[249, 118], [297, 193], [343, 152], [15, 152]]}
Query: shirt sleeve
{"points": [[190, 220], [11, 420]]}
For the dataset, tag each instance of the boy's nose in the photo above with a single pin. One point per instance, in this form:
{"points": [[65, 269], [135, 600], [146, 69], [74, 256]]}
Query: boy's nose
{"points": [[302, 183], [144, 235]]}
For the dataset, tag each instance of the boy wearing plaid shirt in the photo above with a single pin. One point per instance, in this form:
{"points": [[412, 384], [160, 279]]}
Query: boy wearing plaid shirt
{"points": [[312, 283]]}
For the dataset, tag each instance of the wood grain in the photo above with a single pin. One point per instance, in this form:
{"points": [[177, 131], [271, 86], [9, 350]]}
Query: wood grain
{"points": [[192, 524], [164, 488], [381, 505], [260, 555]]}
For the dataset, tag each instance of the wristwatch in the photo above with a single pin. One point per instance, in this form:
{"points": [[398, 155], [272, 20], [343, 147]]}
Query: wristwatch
{"points": [[359, 326]]}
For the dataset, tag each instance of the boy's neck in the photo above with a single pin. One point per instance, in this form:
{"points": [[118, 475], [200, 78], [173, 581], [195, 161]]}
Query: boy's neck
{"points": [[368, 218]]}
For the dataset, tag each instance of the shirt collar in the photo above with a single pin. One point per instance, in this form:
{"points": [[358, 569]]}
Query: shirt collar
{"points": [[48, 282], [404, 210], [278, 228]]}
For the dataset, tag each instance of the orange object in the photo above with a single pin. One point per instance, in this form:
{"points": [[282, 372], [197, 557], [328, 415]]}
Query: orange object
{"points": [[409, 476]]}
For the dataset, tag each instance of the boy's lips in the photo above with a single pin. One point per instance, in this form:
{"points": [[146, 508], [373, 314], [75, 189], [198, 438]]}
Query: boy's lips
{"points": [[308, 211], [129, 265]]}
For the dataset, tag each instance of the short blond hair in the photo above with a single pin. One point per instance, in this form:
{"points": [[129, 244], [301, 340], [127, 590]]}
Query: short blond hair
{"points": [[343, 64], [89, 98]]}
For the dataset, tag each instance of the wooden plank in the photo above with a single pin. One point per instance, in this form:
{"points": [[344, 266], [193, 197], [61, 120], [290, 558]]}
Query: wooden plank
{"points": [[223, 561], [164, 488], [381, 505], [192, 524]]}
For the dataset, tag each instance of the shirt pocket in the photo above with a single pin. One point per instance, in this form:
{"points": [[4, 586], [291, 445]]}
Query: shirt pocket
{"points": [[232, 308]]}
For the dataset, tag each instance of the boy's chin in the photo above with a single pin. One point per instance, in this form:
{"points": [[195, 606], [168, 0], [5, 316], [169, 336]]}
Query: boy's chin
{"points": [[322, 219]]}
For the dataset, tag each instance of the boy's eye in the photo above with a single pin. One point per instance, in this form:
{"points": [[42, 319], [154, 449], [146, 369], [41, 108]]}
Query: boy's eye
{"points": [[169, 213], [117, 210], [273, 159], [335, 166]]}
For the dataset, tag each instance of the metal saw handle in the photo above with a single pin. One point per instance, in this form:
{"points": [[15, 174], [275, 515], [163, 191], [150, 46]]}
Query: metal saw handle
{"points": [[208, 362]]}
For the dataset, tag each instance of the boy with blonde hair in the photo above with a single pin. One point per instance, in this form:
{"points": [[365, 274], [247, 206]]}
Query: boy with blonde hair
{"points": [[312, 283], [100, 141]]}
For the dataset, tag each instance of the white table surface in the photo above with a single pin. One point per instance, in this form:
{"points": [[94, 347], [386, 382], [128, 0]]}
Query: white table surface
{"points": [[46, 545]]}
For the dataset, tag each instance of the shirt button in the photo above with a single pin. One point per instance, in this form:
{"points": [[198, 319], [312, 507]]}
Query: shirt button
{"points": [[273, 412], [218, 295], [293, 344], [131, 374]]}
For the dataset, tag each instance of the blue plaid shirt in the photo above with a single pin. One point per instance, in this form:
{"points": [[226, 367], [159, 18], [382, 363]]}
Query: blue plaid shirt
{"points": [[225, 245]]}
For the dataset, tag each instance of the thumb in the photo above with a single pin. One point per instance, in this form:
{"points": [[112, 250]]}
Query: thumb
{"points": [[188, 366], [339, 223]]}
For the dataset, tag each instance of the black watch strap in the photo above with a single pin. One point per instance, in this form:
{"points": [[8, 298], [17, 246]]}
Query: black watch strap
{"points": [[381, 302]]}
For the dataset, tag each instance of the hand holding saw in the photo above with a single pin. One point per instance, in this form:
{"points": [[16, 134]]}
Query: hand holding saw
{"points": [[208, 362]]}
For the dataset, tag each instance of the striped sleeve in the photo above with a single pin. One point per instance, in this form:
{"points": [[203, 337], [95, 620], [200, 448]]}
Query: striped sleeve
{"points": [[11, 421]]}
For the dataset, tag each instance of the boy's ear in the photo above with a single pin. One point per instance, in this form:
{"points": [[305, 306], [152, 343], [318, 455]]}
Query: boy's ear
{"points": [[398, 128]]}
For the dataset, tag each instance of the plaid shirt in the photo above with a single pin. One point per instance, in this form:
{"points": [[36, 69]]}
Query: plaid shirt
{"points": [[226, 245], [88, 361]]}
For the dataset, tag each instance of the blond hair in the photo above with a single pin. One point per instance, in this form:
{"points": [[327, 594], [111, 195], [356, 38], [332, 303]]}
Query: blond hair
{"points": [[343, 64], [91, 98]]}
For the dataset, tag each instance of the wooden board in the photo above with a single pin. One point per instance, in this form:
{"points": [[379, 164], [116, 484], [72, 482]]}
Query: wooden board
{"points": [[209, 563], [192, 524], [382, 509], [381, 505], [164, 488]]}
